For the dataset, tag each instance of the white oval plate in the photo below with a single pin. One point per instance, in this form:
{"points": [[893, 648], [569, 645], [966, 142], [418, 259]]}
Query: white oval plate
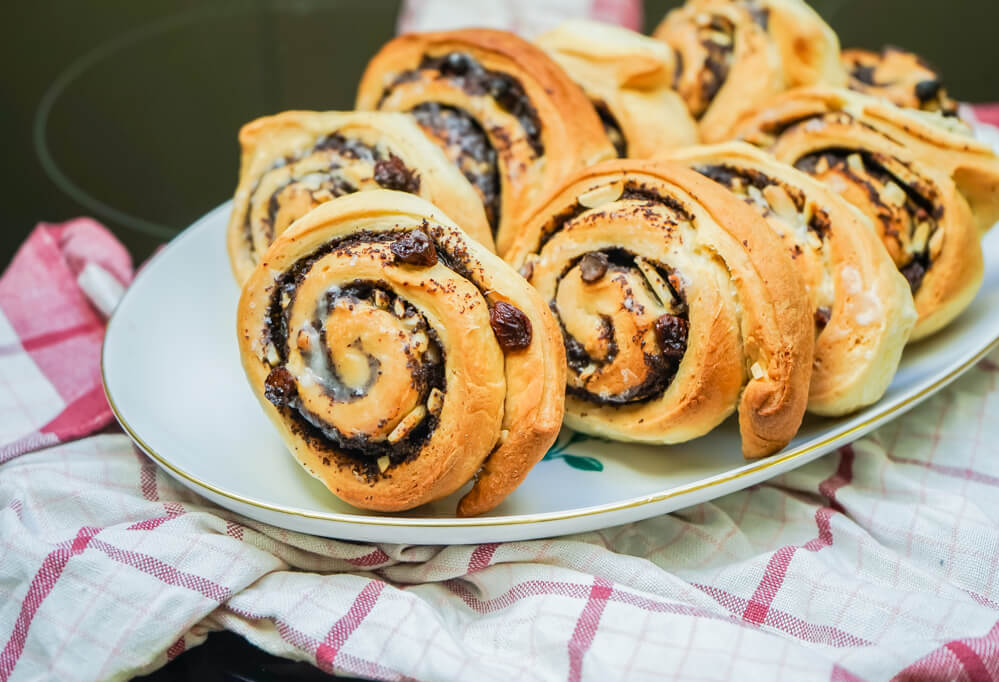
{"points": [[172, 374]]}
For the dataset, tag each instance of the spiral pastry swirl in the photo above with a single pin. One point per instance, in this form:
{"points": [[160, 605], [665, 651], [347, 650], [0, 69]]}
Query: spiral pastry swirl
{"points": [[677, 304], [629, 79], [294, 161], [869, 153], [398, 358], [902, 77], [861, 304], [502, 110], [943, 143], [735, 55]]}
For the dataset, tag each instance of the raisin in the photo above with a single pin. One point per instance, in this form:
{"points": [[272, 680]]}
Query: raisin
{"points": [[510, 326], [593, 266], [822, 316], [391, 173], [279, 387], [527, 270], [928, 89], [414, 248], [671, 331], [456, 63], [914, 272]]}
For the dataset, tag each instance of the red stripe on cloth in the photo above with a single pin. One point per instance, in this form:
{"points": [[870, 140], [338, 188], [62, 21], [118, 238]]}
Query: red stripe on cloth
{"points": [[946, 470], [47, 339], [776, 570], [341, 631], [976, 655], [785, 622], [372, 558], [627, 13], [840, 674], [172, 509], [586, 626], [86, 414], [528, 588], [234, 530], [164, 572], [988, 365], [40, 587], [176, 649], [147, 478], [987, 113], [29, 443], [481, 556], [305, 642], [971, 662]]}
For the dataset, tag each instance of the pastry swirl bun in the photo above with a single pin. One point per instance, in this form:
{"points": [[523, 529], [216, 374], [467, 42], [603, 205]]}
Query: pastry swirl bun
{"points": [[929, 190], [735, 55], [398, 358], [502, 110], [902, 77], [677, 304], [296, 160], [629, 79], [862, 305], [944, 143]]}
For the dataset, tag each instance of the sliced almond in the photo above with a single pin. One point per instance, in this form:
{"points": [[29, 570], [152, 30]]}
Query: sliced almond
{"points": [[779, 201], [657, 283], [894, 194], [398, 308], [381, 299], [408, 423], [920, 237], [757, 371], [435, 401], [855, 163], [419, 342], [936, 243], [587, 372], [323, 195], [383, 463], [599, 196], [271, 355], [821, 166]]}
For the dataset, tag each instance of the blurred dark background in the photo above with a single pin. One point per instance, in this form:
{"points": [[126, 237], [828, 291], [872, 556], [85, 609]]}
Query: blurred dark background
{"points": [[128, 111]]}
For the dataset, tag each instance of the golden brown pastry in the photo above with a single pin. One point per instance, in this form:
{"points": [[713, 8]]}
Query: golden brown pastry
{"points": [[399, 358], [677, 304], [297, 160], [502, 110], [943, 143], [629, 79], [861, 304], [878, 165], [902, 77], [735, 55]]}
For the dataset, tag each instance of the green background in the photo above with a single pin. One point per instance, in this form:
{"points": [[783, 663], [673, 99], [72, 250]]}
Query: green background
{"points": [[128, 111]]}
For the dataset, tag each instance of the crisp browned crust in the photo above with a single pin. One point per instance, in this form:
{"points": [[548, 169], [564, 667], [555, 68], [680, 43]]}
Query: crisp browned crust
{"points": [[499, 407], [863, 307], [280, 171], [570, 130], [750, 338]]}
